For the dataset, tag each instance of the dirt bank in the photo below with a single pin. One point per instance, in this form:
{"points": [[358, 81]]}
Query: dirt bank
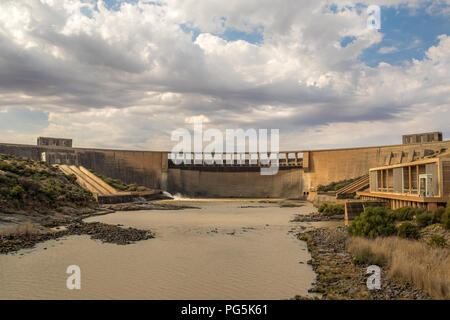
{"points": [[339, 278], [24, 229], [100, 231]]}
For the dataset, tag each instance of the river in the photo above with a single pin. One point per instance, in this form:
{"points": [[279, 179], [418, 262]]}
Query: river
{"points": [[226, 249]]}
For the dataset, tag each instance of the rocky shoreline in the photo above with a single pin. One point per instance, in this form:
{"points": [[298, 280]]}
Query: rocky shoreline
{"points": [[99, 231], [339, 279], [68, 221], [316, 217]]}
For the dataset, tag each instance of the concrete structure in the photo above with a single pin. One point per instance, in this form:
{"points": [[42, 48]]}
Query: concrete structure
{"points": [[424, 183], [54, 142], [235, 182], [299, 175], [102, 191], [422, 137], [350, 189]]}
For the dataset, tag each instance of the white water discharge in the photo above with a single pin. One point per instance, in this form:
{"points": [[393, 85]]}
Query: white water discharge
{"points": [[231, 249]]}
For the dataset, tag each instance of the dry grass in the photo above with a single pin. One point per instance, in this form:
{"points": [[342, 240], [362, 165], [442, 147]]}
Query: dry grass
{"points": [[426, 267], [24, 229]]}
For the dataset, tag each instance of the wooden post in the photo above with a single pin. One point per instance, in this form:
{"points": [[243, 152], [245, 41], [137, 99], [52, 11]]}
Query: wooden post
{"points": [[387, 180], [410, 181], [418, 180]]}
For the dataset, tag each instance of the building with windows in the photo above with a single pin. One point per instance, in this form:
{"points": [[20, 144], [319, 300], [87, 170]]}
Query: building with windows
{"points": [[54, 142], [423, 183], [422, 137]]}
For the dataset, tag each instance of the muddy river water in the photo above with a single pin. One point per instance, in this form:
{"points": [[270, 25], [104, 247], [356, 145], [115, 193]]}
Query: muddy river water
{"points": [[226, 249]]}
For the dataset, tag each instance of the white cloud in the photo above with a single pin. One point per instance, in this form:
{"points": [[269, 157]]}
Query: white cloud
{"points": [[127, 78]]}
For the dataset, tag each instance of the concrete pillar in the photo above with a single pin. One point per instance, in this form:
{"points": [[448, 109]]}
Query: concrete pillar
{"points": [[164, 170], [431, 206]]}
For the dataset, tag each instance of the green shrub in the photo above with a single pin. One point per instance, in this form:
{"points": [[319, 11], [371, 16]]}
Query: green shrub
{"points": [[438, 213], [17, 192], [445, 219], [408, 230], [438, 241], [366, 257], [406, 213], [72, 178], [331, 209], [372, 223], [334, 186], [424, 219], [323, 207]]}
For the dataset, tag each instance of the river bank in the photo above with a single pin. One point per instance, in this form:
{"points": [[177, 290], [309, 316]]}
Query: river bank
{"points": [[338, 278], [24, 229]]}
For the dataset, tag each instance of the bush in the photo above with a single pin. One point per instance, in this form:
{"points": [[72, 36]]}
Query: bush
{"points": [[406, 213], [438, 241], [335, 186], [373, 222], [366, 257], [17, 192], [445, 219], [424, 219], [331, 209], [408, 230], [438, 213], [72, 178]]}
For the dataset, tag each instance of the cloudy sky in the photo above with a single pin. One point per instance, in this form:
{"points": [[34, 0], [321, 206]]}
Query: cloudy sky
{"points": [[125, 74]]}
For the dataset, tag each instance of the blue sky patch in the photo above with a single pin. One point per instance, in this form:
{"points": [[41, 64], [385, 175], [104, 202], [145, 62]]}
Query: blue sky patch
{"points": [[347, 40], [230, 34], [23, 120], [407, 34]]}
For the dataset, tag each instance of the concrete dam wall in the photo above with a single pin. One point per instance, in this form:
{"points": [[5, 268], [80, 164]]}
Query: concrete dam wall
{"points": [[150, 169], [322, 167], [228, 183]]}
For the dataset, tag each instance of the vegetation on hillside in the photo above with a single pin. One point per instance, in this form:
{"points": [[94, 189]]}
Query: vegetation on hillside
{"points": [[119, 185], [335, 186], [331, 209], [28, 184]]}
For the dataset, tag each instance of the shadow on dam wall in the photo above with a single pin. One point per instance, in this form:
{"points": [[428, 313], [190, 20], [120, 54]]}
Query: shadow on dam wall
{"points": [[229, 183], [150, 169]]}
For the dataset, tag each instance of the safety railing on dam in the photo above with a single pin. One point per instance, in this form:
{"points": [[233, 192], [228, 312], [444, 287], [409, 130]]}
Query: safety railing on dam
{"points": [[283, 159]]}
